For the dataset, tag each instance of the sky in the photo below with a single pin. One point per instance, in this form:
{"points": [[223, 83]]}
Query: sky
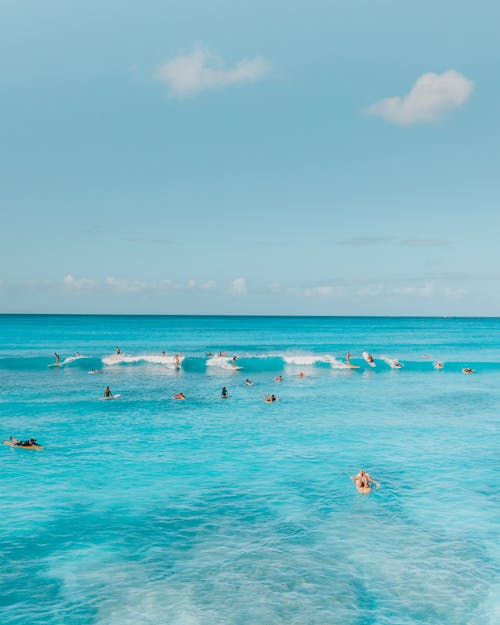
{"points": [[263, 157]]}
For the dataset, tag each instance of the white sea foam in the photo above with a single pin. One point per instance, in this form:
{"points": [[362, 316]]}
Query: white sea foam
{"points": [[155, 359], [223, 362], [70, 359]]}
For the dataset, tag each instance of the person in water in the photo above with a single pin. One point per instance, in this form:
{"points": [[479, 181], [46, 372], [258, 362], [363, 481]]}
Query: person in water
{"points": [[301, 375], [179, 396], [58, 358], [117, 350], [438, 365], [28, 443], [369, 358], [248, 382], [177, 362], [224, 392], [234, 359], [107, 392], [363, 480], [467, 370], [278, 378], [270, 398]]}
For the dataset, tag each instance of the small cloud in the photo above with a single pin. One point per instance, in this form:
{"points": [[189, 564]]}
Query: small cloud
{"points": [[238, 287], [209, 284], [425, 243], [322, 290], [191, 284], [426, 290], [431, 96], [77, 283], [201, 70], [367, 241], [126, 286]]}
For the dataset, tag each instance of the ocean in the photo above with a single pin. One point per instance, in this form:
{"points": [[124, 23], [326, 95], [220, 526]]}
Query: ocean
{"points": [[144, 510]]}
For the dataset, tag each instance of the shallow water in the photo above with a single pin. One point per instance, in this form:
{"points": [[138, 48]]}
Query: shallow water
{"points": [[145, 510]]}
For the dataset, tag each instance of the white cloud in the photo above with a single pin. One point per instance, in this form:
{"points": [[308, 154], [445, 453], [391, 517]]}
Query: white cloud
{"points": [[431, 96], [201, 69], [209, 284], [191, 284], [77, 283], [317, 291], [126, 286], [238, 287], [426, 290]]}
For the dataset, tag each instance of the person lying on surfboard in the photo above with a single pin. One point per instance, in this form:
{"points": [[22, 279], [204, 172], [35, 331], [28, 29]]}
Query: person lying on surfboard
{"points": [[369, 358], [363, 480], [28, 443], [270, 398], [107, 392], [179, 396]]}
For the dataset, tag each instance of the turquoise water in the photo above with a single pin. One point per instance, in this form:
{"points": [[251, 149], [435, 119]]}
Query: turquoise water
{"points": [[144, 510]]}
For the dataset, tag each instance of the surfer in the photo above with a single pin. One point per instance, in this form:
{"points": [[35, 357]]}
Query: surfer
{"points": [[96, 370], [77, 355], [467, 370], [348, 359], [270, 398], [224, 392], [107, 392], [234, 359], [58, 358], [438, 365], [278, 378], [117, 350], [27, 443], [248, 382], [369, 358], [364, 481], [301, 375], [179, 396], [176, 359], [164, 353]]}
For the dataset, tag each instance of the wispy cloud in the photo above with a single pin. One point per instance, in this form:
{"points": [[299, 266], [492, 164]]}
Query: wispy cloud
{"points": [[390, 240], [320, 291], [238, 287], [431, 96], [201, 70], [77, 283]]}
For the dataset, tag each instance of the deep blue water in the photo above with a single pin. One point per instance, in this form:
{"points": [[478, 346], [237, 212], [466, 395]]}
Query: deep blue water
{"points": [[145, 510]]}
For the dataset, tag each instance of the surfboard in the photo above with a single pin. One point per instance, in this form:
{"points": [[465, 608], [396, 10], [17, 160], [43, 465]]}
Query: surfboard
{"points": [[366, 356], [13, 444], [352, 366], [111, 397], [55, 364]]}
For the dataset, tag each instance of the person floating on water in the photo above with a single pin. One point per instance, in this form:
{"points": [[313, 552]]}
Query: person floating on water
{"points": [[301, 375], [117, 350], [364, 481], [96, 370], [179, 396], [467, 370], [28, 443], [224, 392], [278, 378], [438, 365], [107, 392], [58, 358], [248, 382], [270, 398]]}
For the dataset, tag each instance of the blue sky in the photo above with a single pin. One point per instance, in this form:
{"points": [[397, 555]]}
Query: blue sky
{"points": [[250, 158]]}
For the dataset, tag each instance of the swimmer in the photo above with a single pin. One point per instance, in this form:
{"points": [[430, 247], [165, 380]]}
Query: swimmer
{"points": [[58, 358], [278, 378], [248, 382], [117, 350], [438, 365], [78, 355], [270, 398], [96, 371], [107, 392], [467, 370], [224, 392], [179, 396], [364, 481], [301, 375], [164, 353]]}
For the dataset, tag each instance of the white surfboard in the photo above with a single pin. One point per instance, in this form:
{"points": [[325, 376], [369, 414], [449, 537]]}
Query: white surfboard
{"points": [[366, 356], [111, 397]]}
